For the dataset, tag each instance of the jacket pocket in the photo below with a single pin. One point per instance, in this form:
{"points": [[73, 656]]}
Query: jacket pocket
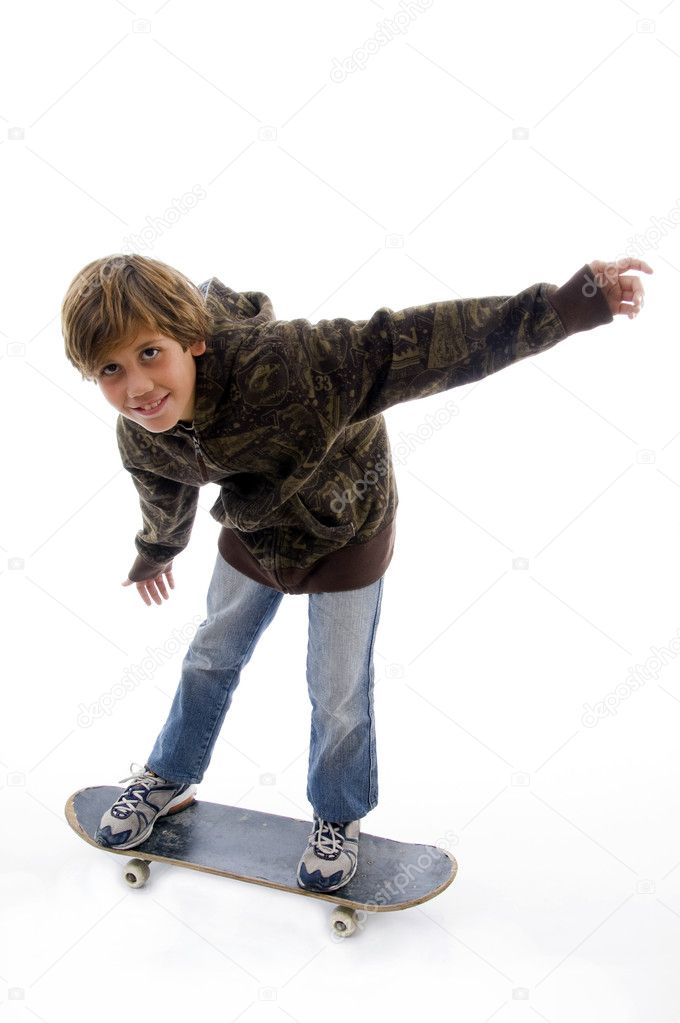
{"points": [[315, 526]]}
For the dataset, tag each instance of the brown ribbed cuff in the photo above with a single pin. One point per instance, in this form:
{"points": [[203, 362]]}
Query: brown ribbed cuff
{"points": [[580, 303], [143, 569]]}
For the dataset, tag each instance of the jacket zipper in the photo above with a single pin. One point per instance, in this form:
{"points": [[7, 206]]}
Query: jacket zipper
{"points": [[206, 479], [205, 476], [199, 458]]}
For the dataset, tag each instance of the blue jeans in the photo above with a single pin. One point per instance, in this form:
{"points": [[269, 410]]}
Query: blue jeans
{"points": [[342, 780]]}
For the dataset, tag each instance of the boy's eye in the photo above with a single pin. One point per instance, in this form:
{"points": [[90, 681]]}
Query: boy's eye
{"points": [[113, 365]]}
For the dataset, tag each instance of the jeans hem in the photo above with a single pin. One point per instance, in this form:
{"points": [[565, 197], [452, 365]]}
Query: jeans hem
{"points": [[174, 781], [334, 817]]}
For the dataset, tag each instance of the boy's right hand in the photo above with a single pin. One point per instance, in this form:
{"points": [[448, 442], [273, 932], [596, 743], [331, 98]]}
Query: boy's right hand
{"points": [[153, 587]]}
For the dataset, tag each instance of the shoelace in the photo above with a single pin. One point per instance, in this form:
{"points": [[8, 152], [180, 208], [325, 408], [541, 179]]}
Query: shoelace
{"points": [[128, 799], [138, 772], [328, 836]]}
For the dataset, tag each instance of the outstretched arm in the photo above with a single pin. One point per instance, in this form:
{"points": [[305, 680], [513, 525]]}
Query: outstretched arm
{"points": [[356, 369]]}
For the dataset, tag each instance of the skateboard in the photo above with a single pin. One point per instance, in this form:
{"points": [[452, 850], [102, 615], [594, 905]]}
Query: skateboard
{"points": [[265, 848]]}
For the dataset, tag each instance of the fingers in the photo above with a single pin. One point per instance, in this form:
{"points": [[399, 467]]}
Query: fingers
{"points": [[609, 277], [148, 592], [142, 591], [633, 291], [630, 309], [626, 295], [154, 589], [631, 263], [613, 269], [632, 297]]}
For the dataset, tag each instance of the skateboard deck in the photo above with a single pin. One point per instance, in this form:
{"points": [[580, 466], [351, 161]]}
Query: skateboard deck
{"points": [[265, 848]]}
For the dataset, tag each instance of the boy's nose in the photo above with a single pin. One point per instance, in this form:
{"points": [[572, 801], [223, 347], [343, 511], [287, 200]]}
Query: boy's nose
{"points": [[138, 388]]}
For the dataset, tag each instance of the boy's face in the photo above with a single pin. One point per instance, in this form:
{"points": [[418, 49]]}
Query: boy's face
{"points": [[149, 367]]}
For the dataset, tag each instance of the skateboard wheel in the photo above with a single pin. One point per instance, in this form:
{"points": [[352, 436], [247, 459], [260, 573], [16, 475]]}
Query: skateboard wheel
{"points": [[343, 921], [137, 873]]}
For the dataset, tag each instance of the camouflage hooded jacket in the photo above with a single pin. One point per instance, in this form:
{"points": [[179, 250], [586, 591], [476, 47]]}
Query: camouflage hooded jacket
{"points": [[288, 422]]}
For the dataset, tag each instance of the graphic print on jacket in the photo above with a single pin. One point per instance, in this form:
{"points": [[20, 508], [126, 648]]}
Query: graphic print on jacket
{"points": [[288, 422]]}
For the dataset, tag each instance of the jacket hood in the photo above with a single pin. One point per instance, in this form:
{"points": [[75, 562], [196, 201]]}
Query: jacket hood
{"points": [[228, 307]]}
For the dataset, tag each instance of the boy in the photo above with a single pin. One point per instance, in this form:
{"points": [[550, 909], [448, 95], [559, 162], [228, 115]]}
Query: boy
{"points": [[286, 417]]}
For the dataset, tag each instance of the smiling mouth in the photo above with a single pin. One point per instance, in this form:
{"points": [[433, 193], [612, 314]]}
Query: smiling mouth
{"points": [[150, 406]]}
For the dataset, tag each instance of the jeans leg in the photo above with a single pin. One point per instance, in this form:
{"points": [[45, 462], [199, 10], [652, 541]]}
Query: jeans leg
{"points": [[239, 610], [342, 782]]}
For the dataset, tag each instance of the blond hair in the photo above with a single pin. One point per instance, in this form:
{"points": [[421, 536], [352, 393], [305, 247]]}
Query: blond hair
{"points": [[112, 298]]}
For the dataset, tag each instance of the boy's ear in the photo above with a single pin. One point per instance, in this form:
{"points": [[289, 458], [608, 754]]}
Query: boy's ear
{"points": [[198, 347]]}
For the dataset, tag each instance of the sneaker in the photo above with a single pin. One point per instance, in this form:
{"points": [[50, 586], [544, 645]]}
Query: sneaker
{"points": [[131, 818], [330, 859]]}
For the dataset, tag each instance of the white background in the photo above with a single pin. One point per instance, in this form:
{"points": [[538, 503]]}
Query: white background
{"points": [[397, 182]]}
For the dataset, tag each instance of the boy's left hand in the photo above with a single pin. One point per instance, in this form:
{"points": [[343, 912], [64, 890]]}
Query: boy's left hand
{"points": [[625, 295]]}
